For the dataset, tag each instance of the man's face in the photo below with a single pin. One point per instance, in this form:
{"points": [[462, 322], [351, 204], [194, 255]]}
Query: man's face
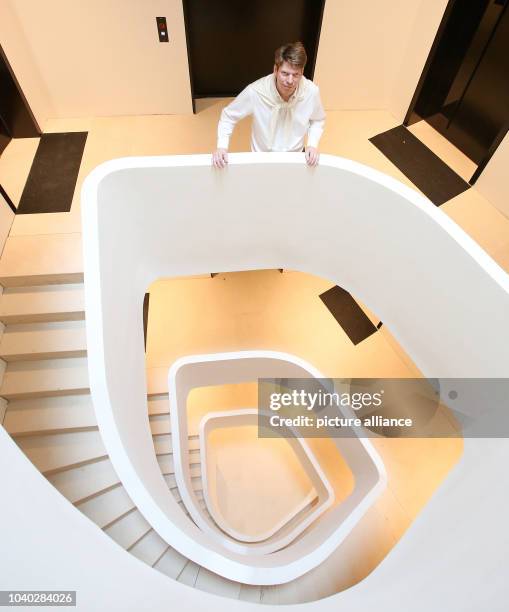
{"points": [[287, 79]]}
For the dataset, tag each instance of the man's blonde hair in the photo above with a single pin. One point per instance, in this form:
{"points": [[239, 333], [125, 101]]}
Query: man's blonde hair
{"points": [[293, 53]]}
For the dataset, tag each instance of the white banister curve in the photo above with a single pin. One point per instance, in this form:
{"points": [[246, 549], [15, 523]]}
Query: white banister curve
{"points": [[441, 296]]}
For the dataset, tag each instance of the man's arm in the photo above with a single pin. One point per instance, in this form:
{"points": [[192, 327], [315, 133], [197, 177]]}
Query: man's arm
{"points": [[235, 111], [315, 130]]}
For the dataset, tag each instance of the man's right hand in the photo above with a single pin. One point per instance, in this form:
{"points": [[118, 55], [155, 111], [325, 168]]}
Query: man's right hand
{"points": [[220, 158]]}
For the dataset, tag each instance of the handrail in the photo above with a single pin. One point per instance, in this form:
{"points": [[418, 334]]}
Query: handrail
{"points": [[321, 491], [330, 530]]}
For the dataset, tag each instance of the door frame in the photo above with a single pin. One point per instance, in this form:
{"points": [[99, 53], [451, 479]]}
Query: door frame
{"points": [[37, 127], [185, 8], [411, 117]]}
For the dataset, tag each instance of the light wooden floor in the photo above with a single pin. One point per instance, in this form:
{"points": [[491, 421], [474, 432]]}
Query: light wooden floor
{"points": [[346, 134]]}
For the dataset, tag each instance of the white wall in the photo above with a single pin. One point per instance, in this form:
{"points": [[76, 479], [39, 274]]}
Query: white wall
{"points": [[371, 54], [408, 54], [22, 61], [96, 58], [493, 184]]}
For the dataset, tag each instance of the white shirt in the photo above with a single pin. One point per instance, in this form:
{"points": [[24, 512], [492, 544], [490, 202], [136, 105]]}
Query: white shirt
{"points": [[277, 125]]}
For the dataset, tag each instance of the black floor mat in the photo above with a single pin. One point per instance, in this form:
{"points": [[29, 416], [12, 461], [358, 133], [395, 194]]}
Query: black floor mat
{"points": [[348, 314], [52, 178], [426, 170]]}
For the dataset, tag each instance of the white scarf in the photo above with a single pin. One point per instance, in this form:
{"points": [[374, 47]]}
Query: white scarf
{"points": [[282, 112]]}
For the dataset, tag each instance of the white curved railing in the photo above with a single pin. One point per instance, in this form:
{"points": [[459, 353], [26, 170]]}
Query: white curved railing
{"points": [[362, 230], [324, 535], [321, 491]]}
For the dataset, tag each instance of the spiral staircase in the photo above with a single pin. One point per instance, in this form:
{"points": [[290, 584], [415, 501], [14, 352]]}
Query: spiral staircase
{"points": [[50, 415]]}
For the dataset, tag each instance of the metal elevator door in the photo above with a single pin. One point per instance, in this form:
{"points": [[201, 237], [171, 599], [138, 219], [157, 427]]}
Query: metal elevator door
{"points": [[16, 119], [482, 109], [232, 43], [465, 91]]}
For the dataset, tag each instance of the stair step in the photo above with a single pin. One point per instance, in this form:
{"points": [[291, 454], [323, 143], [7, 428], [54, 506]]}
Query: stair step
{"points": [[176, 495], [129, 529], [249, 592], [160, 424], [41, 260], [53, 377], [171, 563], [179, 501], [44, 378], [270, 595], [189, 574], [212, 583], [198, 492], [159, 405], [183, 506], [196, 483], [52, 340], [202, 504], [104, 508], [46, 415], [81, 483], [163, 445], [170, 481], [42, 303], [167, 466], [62, 451], [150, 548]]}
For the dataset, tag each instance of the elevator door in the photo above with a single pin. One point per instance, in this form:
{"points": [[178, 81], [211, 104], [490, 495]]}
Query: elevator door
{"points": [[16, 120], [464, 93], [232, 43], [5, 136], [483, 107]]}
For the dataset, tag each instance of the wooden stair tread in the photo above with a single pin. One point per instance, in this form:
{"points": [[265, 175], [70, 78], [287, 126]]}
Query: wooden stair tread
{"points": [[150, 548], [59, 451], [53, 377], [63, 302], [129, 529], [49, 414], [171, 563], [85, 481], [41, 259], [43, 341], [105, 507]]}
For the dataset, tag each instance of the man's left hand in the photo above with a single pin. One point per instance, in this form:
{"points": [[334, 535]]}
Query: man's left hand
{"points": [[312, 156]]}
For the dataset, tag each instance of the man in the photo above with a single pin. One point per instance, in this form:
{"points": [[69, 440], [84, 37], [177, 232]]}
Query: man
{"points": [[285, 107]]}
